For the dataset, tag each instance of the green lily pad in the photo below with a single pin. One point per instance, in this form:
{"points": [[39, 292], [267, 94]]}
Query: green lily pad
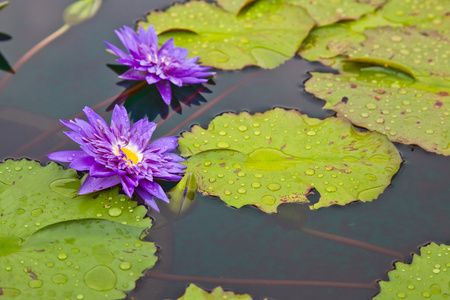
{"points": [[266, 35], [279, 156], [407, 111], [193, 292], [41, 196], [57, 245], [425, 14], [428, 276], [419, 53], [234, 6], [328, 12], [86, 259]]}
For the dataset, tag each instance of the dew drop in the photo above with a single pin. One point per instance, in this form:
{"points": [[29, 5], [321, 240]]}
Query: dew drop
{"points": [[411, 287], [18, 168], [371, 177], [218, 56], [115, 211], [429, 131], [20, 211], [268, 199], [242, 128], [241, 174], [100, 278], [125, 265], [401, 295], [67, 187], [212, 180], [371, 105], [273, 186], [59, 278], [310, 172], [258, 175], [207, 163], [35, 283], [396, 38], [197, 145], [436, 289], [256, 125], [10, 292], [226, 192], [222, 145], [331, 189], [364, 115], [311, 133], [62, 256], [36, 212], [222, 133], [256, 185], [242, 191]]}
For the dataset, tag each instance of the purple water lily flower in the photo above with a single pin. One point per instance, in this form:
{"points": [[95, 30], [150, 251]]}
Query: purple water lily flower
{"points": [[121, 153], [162, 67]]}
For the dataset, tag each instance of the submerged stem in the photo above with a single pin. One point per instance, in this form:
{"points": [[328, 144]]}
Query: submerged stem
{"points": [[175, 277], [212, 103], [32, 52], [58, 127], [352, 242]]}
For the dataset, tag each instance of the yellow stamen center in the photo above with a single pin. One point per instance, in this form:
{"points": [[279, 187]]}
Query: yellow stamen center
{"points": [[130, 155]]}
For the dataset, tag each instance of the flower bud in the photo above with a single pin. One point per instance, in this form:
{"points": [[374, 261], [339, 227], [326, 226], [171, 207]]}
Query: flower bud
{"points": [[81, 11]]}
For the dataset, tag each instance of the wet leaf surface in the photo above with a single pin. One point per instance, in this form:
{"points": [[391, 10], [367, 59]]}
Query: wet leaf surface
{"points": [[280, 156], [337, 10], [428, 276], [42, 252], [193, 292], [265, 35]]}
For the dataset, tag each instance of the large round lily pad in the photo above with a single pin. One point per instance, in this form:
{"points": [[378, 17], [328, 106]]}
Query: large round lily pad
{"points": [[407, 111], [427, 277], [279, 156], [57, 245], [266, 35]]}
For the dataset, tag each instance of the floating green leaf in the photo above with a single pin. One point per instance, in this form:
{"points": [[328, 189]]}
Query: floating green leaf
{"points": [[279, 156], [428, 276], [266, 35], [234, 6], [406, 110], [193, 292], [57, 245], [87, 259], [419, 53], [328, 12], [430, 14]]}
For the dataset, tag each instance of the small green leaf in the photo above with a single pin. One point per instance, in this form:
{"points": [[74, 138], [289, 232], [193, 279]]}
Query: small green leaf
{"points": [[426, 277], [279, 156], [266, 35], [81, 11], [86, 259], [4, 65], [193, 292], [3, 4], [183, 200]]}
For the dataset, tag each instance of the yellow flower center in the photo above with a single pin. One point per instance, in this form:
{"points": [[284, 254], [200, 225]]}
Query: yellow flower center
{"points": [[130, 155]]}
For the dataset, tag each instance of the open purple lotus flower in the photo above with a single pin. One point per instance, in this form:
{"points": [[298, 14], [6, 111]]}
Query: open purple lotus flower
{"points": [[162, 67], [121, 154]]}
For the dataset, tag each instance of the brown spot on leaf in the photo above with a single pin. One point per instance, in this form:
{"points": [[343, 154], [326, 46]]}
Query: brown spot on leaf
{"points": [[41, 250], [443, 94], [237, 170], [95, 196], [282, 147], [438, 104], [381, 92], [353, 86], [222, 165], [378, 98]]}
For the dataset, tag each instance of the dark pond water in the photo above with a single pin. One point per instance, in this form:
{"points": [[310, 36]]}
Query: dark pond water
{"points": [[217, 241]]}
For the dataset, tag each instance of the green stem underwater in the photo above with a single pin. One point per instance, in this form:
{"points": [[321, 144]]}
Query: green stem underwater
{"points": [[352, 242], [32, 52], [174, 277]]}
